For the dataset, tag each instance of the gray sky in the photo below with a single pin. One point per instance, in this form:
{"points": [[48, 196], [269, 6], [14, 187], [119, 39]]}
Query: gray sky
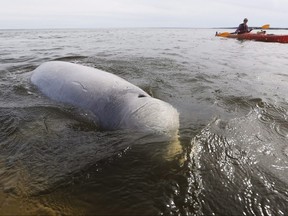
{"points": [[141, 13]]}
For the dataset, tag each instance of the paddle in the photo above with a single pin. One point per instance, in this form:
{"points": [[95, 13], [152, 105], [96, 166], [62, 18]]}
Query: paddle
{"points": [[225, 34], [266, 26]]}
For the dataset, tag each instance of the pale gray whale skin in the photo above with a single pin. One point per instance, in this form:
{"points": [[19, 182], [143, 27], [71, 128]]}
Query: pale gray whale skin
{"points": [[115, 103]]}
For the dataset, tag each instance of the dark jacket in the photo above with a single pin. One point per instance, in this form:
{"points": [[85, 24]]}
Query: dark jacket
{"points": [[243, 28]]}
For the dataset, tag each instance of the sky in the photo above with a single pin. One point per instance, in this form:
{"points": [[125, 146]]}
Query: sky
{"points": [[23, 14]]}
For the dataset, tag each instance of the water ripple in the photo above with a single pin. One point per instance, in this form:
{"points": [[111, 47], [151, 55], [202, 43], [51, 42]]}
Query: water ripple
{"points": [[55, 161]]}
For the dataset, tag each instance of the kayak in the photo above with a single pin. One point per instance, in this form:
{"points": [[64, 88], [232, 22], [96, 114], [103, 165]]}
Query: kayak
{"points": [[256, 37]]}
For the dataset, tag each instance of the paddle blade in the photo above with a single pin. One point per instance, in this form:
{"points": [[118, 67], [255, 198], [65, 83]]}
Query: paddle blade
{"points": [[266, 26], [223, 34]]}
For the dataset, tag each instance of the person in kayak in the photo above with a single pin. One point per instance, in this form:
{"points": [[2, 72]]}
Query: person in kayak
{"points": [[243, 27]]}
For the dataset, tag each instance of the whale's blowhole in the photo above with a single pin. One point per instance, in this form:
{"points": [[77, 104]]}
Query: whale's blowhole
{"points": [[141, 95]]}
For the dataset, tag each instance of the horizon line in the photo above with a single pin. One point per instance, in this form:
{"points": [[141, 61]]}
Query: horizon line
{"points": [[72, 28]]}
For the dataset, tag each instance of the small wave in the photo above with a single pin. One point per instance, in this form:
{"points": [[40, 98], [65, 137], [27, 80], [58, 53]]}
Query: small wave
{"points": [[275, 117], [70, 58], [238, 105]]}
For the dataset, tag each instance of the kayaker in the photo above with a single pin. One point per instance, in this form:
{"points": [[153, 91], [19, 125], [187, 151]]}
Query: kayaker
{"points": [[243, 27]]}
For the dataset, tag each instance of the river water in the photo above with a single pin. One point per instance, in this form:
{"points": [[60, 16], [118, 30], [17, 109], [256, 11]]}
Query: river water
{"points": [[233, 104]]}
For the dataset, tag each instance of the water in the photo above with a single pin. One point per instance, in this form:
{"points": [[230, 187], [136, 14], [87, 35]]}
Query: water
{"points": [[233, 105]]}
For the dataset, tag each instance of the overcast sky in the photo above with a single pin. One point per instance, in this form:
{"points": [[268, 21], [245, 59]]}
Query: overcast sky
{"points": [[141, 13]]}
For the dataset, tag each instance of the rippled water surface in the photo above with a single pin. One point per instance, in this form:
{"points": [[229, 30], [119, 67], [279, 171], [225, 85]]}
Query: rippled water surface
{"points": [[233, 105]]}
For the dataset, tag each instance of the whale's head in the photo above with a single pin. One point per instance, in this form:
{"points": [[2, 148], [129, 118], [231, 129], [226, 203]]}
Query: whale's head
{"points": [[147, 113]]}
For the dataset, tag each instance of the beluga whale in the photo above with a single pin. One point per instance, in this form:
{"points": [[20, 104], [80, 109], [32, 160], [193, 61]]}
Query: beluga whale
{"points": [[114, 102]]}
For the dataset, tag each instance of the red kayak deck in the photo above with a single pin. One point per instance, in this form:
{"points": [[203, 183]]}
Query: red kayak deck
{"points": [[257, 37]]}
